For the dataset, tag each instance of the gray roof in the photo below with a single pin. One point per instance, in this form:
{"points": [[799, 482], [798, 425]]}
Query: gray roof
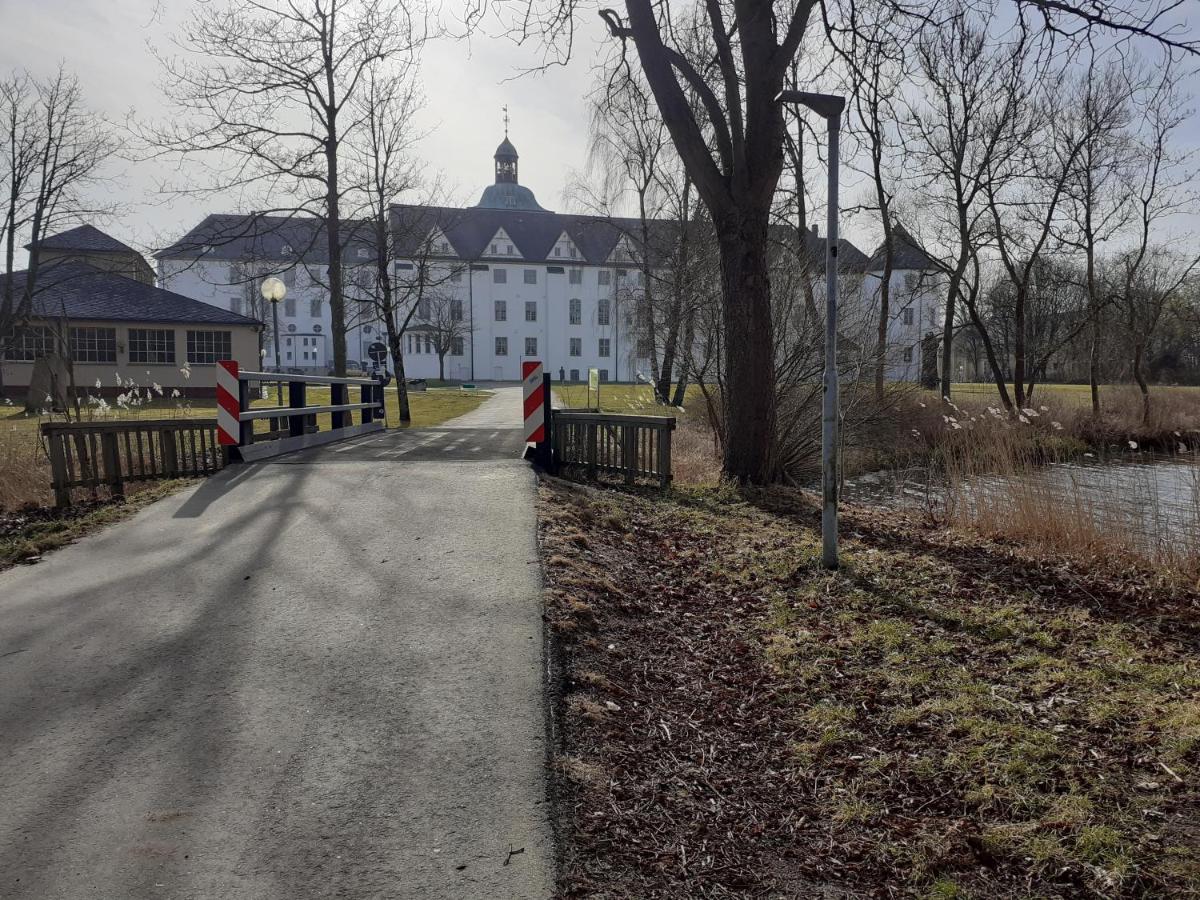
{"points": [[233, 236], [906, 253], [506, 149], [509, 195], [75, 290], [83, 239], [850, 258], [533, 232]]}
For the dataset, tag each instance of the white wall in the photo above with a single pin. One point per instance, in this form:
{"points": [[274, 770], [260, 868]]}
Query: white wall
{"points": [[208, 281]]}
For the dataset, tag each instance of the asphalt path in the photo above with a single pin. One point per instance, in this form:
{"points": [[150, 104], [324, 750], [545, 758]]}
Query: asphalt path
{"points": [[319, 676]]}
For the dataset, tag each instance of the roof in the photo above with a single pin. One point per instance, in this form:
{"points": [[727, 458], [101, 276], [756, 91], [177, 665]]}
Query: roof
{"points": [[850, 258], [237, 236], [533, 232], [84, 238], [75, 290], [508, 195], [906, 253], [506, 148]]}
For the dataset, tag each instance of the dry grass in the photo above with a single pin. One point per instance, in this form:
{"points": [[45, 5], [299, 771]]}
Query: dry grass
{"points": [[24, 469]]}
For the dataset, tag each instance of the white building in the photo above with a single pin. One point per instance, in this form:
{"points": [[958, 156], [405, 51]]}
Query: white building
{"points": [[915, 302], [528, 283]]}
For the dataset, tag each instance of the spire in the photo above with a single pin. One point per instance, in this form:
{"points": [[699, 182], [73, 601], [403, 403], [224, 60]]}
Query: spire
{"points": [[506, 157]]}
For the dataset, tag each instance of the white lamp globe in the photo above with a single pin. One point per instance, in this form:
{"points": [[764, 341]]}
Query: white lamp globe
{"points": [[273, 289]]}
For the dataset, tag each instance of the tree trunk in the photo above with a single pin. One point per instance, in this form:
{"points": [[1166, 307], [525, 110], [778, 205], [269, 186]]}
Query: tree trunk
{"points": [[1019, 346], [441, 367], [948, 332], [749, 401], [881, 340], [689, 339], [1139, 352]]}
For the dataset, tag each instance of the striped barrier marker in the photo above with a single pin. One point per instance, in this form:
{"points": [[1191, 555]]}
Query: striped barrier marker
{"points": [[535, 402], [229, 426]]}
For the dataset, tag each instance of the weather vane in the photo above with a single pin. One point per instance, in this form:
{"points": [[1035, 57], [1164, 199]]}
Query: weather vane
{"points": [[505, 108]]}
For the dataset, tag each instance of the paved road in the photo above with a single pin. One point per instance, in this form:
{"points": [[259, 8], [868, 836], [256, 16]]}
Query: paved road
{"points": [[318, 677]]}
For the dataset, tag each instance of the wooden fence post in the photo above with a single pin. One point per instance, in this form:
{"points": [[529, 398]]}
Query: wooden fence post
{"points": [[664, 457], [629, 435], [58, 469], [170, 455], [111, 452], [592, 436]]}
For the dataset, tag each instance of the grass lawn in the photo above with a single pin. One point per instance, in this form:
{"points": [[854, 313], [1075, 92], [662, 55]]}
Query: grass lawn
{"points": [[1072, 395], [944, 717], [623, 398]]}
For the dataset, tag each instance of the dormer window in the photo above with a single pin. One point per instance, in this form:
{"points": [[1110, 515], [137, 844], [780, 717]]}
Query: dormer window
{"points": [[558, 251], [286, 250], [363, 253], [508, 248], [493, 250]]}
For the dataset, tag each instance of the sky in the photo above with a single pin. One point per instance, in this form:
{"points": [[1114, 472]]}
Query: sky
{"points": [[107, 44]]}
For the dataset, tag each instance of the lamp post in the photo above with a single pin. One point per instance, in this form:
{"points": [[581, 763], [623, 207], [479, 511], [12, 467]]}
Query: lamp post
{"points": [[829, 107], [273, 291]]}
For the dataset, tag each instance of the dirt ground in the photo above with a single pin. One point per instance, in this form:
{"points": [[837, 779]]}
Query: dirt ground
{"points": [[944, 717]]}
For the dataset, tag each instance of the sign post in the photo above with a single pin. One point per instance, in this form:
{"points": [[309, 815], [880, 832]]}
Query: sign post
{"points": [[536, 388], [229, 406], [594, 385]]}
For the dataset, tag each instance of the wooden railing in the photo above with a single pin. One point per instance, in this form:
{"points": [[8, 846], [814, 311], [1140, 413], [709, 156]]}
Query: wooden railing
{"points": [[107, 454], [630, 446]]}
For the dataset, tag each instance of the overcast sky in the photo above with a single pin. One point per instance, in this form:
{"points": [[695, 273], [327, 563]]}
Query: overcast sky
{"points": [[105, 42]]}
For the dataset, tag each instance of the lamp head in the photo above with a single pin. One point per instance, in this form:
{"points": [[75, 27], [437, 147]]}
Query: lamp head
{"points": [[273, 289]]}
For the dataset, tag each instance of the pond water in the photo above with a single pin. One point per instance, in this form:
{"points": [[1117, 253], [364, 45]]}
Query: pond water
{"points": [[1156, 498]]}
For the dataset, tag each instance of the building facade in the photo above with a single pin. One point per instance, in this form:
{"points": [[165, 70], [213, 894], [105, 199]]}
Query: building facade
{"points": [[97, 315], [492, 285]]}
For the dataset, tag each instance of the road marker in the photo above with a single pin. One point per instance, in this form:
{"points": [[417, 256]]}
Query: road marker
{"points": [[229, 410], [535, 402]]}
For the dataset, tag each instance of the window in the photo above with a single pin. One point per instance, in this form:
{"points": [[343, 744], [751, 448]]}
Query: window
{"points": [[501, 311], [502, 346], [910, 281], [152, 346], [429, 343], [576, 311], [235, 305], [423, 308], [33, 342], [641, 278], [531, 276], [576, 346], [603, 277], [602, 311], [456, 275], [531, 346], [603, 349], [574, 374], [366, 310], [558, 251], [206, 347], [414, 346], [94, 345], [364, 253], [314, 307], [455, 309], [575, 276], [409, 337], [289, 307], [908, 354], [604, 374], [456, 346], [530, 310], [621, 273], [508, 248], [493, 250], [289, 277], [572, 251], [499, 276], [644, 347], [286, 249], [908, 316]]}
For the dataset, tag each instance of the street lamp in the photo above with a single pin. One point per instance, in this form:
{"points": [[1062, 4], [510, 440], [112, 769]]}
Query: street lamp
{"points": [[273, 291], [830, 107]]}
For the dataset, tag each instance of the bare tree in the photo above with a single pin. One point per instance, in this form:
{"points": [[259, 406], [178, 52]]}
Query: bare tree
{"points": [[267, 89], [961, 124], [54, 152], [384, 170], [1149, 279]]}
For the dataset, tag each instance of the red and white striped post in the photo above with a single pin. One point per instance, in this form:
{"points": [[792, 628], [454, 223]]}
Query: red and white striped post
{"points": [[537, 409], [229, 407]]}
